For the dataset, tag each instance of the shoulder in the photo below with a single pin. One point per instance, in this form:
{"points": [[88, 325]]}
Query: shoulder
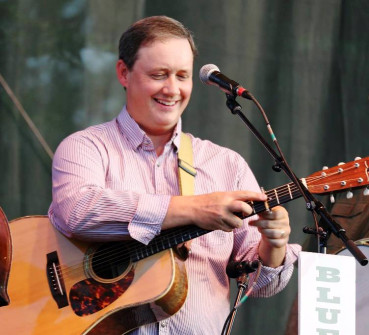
{"points": [[96, 133], [205, 150], [94, 138], [221, 168], [219, 160]]}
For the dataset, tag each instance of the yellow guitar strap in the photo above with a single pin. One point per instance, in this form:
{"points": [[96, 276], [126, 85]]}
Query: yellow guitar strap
{"points": [[186, 170], [187, 174]]}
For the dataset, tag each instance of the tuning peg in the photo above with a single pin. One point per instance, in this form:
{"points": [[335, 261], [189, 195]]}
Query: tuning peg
{"points": [[331, 198], [340, 170], [357, 164], [323, 174], [366, 191], [349, 195]]}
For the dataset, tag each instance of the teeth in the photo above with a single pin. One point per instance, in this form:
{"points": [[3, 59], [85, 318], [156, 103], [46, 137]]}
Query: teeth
{"points": [[167, 103]]}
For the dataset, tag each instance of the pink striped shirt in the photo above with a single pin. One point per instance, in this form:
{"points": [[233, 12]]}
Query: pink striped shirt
{"points": [[109, 184]]}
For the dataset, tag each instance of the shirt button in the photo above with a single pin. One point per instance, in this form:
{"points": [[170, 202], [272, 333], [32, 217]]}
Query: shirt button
{"points": [[163, 324]]}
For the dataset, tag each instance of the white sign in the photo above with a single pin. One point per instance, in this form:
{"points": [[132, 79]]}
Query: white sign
{"points": [[326, 294]]}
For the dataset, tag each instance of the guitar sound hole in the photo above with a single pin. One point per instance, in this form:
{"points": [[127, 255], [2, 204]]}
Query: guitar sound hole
{"points": [[110, 260]]}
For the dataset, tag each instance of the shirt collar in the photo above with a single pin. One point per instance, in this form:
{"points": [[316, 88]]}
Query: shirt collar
{"points": [[137, 137]]}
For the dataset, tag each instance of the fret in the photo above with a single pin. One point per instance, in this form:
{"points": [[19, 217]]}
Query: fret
{"points": [[289, 191], [134, 255], [276, 195], [251, 203]]}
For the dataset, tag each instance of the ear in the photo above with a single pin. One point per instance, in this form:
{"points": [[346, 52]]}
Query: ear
{"points": [[122, 72]]}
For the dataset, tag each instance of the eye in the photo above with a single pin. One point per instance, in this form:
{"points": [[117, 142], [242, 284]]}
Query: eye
{"points": [[158, 76], [183, 76]]}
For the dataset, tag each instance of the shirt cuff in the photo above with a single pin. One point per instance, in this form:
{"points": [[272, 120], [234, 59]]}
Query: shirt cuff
{"points": [[149, 216], [273, 280]]}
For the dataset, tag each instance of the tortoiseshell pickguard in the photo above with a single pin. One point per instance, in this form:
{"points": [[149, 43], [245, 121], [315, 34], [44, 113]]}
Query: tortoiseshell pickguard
{"points": [[90, 296]]}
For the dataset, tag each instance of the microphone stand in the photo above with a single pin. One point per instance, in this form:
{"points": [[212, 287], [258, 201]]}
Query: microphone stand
{"points": [[241, 272], [321, 235], [242, 283], [312, 203]]}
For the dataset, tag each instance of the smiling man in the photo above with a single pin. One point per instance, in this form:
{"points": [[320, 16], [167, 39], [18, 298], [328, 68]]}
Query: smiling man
{"points": [[118, 181], [158, 87]]}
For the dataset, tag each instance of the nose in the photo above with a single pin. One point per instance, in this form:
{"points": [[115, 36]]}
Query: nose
{"points": [[171, 86]]}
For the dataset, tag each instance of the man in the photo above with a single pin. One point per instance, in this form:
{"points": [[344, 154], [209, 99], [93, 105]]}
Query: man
{"points": [[119, 180]]}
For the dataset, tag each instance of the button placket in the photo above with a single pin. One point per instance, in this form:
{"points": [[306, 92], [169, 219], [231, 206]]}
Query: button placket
{"points": [[163, 328]]}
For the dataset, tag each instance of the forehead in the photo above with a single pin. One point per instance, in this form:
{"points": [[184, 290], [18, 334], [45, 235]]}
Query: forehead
{"points": [[171, 52]]}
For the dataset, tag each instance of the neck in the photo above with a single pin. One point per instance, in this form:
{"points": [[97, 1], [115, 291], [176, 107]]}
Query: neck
{"points": [[159, 142]]}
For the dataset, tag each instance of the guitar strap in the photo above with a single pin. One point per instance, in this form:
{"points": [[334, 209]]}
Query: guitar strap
{"points": [[186, 174], [186, 171]]}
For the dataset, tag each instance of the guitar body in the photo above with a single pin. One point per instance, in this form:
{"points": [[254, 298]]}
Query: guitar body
{"points": [[146, 291], [5, 258]]}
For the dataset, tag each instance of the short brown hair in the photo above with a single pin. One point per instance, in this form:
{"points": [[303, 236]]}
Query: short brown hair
{"points": [[148, 30]]}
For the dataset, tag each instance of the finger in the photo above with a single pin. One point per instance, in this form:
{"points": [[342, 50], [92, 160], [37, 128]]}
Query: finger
{"points": [[274, 233], [241, 209], [277, 243], [275, 237], [272, 224], [250, 196], [276, 213], [230, 222]]}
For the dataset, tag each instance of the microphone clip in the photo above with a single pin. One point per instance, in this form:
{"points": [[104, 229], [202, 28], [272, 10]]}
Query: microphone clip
{"points": [[237, 269], [232, 104]]}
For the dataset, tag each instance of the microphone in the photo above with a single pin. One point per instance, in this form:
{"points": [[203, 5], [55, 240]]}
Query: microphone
{"points": [[236, 269], [211, 75]]}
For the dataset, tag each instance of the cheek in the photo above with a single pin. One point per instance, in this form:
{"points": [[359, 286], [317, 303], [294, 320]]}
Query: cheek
{"points": [[188, 90], [151, 88], [142, 85]]}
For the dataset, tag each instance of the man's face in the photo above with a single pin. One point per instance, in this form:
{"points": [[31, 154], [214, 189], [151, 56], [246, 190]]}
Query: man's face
{"points": [[158, 87]]}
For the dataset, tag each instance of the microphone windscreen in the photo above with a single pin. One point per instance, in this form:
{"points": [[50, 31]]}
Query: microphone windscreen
{"points": [[206, 71]]}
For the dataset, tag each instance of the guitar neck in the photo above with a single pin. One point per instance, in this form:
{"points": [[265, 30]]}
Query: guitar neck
{"points": [[171, 237]]}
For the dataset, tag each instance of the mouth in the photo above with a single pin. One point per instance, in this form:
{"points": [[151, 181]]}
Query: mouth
{"points": [[166, 103]]}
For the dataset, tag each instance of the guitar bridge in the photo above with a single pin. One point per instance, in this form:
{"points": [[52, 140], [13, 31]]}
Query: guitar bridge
{"points": [[55, 279]]}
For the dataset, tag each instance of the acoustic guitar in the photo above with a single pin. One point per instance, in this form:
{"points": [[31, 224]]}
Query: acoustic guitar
{"points": [[64, 286], [5, 257]]}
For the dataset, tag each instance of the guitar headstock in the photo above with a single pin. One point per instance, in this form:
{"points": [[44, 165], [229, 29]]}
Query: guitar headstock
{"points": [[343, 176]]}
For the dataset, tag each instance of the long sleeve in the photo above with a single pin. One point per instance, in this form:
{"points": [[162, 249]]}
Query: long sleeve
{"points": [[96, 189]]}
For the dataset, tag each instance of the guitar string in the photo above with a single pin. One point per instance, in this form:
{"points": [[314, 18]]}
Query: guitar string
{"points": [[115, 254]]}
